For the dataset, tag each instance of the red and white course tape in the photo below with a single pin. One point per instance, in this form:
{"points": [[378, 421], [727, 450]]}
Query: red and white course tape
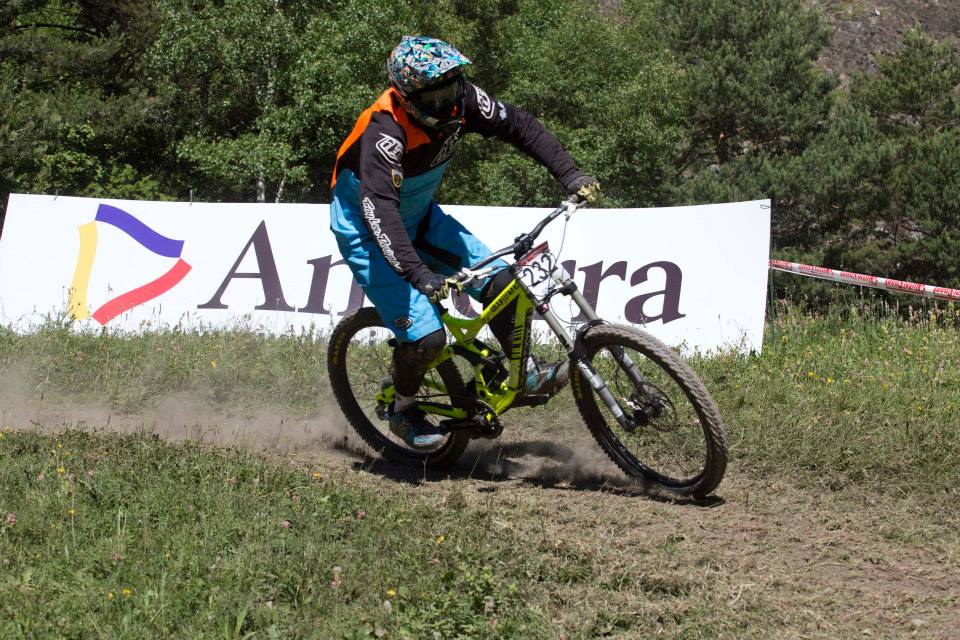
{"points": [[848, 277]]}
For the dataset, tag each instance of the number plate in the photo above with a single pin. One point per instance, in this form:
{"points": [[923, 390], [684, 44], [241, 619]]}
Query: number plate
{"points": [[535, 267]]}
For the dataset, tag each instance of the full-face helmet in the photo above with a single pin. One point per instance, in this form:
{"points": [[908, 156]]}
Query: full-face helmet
{"points": [[428, 75]]}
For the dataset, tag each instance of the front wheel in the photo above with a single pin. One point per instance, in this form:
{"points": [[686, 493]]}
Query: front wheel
{"points": [[358, 363], [676, 438]]}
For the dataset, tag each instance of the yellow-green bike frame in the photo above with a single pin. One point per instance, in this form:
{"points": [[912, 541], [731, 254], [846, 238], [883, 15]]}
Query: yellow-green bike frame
{"points": [[464, 332]]}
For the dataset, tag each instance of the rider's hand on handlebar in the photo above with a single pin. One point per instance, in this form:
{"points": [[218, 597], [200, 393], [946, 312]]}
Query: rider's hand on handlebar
{"points": [[584, 188], [436, 287]]}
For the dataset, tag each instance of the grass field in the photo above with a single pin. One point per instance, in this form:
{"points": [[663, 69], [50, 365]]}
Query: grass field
{"points": [[839, 516]]}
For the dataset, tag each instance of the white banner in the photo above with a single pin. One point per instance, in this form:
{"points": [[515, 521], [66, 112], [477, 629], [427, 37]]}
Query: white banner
{"points": [[693, 276]]}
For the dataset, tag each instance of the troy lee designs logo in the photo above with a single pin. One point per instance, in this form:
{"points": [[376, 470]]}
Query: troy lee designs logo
{"points": [[390, 148], [370, 215], [485, 103], [447, 149], [446, 65]]}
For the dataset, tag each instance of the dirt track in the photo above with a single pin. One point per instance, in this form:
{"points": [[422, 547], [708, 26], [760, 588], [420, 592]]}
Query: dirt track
{"points": [[763, 555]]}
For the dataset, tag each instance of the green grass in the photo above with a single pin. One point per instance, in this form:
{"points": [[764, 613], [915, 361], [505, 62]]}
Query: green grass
{"points": [[859, 394], [106, 535], [129, 536]]}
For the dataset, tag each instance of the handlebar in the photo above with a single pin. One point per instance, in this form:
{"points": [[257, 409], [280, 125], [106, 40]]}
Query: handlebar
{"points": [[521, 244]]}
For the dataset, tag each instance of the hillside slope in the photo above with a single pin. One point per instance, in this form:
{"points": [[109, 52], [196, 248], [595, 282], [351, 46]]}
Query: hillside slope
{"points": [[866, 28]]}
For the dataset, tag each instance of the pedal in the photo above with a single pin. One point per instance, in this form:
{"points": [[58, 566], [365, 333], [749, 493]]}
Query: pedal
{"points": [[533, 400]]}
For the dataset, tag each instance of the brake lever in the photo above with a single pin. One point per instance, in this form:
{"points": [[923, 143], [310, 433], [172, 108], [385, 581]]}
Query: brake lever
{"points": [[463, 278]]}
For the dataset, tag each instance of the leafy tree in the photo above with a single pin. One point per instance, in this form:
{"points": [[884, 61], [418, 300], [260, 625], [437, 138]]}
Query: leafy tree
{"points": [[72, 111], [752, 85], [903, 199]]}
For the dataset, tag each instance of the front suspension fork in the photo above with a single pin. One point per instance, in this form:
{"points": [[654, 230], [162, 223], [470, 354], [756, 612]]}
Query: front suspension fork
{"points": [[575, 351]]}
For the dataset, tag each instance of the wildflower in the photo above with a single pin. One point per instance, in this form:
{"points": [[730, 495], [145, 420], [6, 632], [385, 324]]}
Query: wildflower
{"points": [[232, 481], [61, 471], [387, 606], [71, 512], [285, 524], [336, 582], [89, 473], [295, 499], [434, 560], [109, 595], [441, 538], [117, 557], [811, 374], [213, 364], [316, 475], [391, 593], [127, 592], [361, 514], [11, 520]]}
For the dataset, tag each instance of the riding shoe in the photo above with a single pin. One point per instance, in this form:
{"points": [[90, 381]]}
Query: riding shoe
{"points": [[546, 379], [412, 426]]}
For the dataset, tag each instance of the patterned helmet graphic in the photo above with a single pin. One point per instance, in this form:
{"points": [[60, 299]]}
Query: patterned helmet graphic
{"points": [[420, 61]]}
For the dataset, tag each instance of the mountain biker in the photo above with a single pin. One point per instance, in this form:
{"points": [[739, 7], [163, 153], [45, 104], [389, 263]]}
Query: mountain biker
{"points": [[397, 240]]}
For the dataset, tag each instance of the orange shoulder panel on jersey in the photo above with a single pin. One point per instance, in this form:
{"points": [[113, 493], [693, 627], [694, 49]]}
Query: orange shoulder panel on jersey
{"points": [[388, 101]]}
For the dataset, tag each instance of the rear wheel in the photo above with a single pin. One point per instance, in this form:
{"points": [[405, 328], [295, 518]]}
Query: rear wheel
{"points": [[358, 364], [678, 442]]}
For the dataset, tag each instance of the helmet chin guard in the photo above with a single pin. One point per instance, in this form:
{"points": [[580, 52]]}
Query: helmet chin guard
{"points": [[439, 108]]}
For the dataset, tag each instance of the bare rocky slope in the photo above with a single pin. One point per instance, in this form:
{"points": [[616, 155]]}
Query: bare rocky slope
{"points": [[866, 28]]}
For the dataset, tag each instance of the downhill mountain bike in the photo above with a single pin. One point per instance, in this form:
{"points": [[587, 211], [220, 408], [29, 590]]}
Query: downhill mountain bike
{"points": [[648, 411]]}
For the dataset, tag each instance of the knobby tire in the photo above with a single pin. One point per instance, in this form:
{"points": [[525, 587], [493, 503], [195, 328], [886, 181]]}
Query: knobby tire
{"points": [[350, 326], [592, 409]]}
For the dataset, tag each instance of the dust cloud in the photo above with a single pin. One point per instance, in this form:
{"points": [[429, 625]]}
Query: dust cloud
{"points": [[577, 462], [573, 459], [177, 416]]}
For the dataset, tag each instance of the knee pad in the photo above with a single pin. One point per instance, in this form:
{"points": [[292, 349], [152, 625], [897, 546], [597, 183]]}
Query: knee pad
{"points": [[419, 353], [495, 286]]}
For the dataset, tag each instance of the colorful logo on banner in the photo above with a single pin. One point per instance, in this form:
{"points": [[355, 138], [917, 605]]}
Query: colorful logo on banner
{"points": [[149, 239]]}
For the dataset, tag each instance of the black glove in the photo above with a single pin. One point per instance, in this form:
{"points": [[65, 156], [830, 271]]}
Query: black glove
{"points": [[435, 286], [583, 187]]}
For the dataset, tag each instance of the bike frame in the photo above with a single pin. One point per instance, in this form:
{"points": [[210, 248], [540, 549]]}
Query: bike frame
{"points": [[465, 332]]}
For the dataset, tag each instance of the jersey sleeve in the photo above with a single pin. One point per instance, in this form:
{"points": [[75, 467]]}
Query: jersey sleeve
{"points": [[490, 117], [381, 170]]}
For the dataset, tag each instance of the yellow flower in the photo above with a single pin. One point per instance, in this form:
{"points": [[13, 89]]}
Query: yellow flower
{"points": [[391, 593], [127, 592], [441, 538], [213, 364], [61, 470], [316, 475], [109, 595], [71, 512]]}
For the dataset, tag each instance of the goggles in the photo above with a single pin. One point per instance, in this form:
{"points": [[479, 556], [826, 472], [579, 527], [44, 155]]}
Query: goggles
{"points": [[439, 101]]}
